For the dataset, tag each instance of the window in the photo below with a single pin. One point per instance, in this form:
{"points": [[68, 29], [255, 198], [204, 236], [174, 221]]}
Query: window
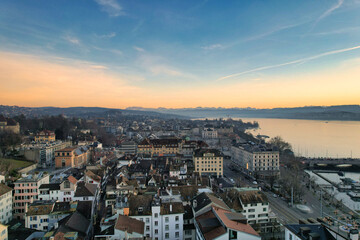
{"points": [[177, 218], [156, 223], [167, 235], [177, 234], [177, 226], [251, 216], [156, 215], [166, 219], [156, 231], [251, 210], [264, 209], [167, 227], [147, 220]]}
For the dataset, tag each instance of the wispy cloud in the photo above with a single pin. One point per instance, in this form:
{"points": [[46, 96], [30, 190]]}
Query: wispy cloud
{"points": [[327, 13], [111, 7], [110, 35], [302, 60], [330, 10], [139, 49], [72, 39], [212, 47], [114, 51]]}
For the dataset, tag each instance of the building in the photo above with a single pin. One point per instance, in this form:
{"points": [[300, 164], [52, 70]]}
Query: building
{"points": [[257, 160], [75, 157], [218, 223], [209, 133], [26, 190], [128, 228], [128, 147], [8, 124], [3, 232], [43, 153], [45, 136], [208, 162], [5, 204], [162, 220], [254, 205], [317, 232], [160, 147], [49, 191], [38, 213]]}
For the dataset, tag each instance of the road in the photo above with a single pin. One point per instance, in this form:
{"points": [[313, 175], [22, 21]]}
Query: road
{"points": [[285, 213]]}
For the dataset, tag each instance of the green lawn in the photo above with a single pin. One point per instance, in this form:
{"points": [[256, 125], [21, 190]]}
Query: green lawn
{"points": [[10, 164]]}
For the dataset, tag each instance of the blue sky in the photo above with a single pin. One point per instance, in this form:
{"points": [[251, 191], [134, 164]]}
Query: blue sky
{"points": [[169, 51]]}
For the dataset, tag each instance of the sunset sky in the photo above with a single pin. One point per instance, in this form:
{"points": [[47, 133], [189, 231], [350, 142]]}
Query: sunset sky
{"points": [[118, 54]]}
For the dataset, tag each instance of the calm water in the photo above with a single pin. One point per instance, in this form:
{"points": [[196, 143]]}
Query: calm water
{"points": [[314, 138]]}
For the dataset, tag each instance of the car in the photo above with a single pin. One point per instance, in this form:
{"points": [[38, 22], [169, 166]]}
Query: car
{"points": [[255, 182], [275, 196]]}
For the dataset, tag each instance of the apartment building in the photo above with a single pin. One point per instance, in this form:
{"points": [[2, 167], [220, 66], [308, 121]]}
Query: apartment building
{"points": [[218, 223], [208, 162], [209, 133], [43, 153], [128, 147], [26, 190], [75, 157], [5, 204], [162, 220], [256, 160], [37, 215], [45, 136], [254, 205], [160, 147], [3, 232]]}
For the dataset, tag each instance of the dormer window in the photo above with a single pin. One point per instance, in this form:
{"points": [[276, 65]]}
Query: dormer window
{"points": [[140, 209]]}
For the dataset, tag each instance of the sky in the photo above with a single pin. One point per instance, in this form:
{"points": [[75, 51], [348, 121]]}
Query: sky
{"points": [[174, 54]]}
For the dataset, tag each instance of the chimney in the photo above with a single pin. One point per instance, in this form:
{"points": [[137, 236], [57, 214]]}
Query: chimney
{"points": [[354, 234], [195, 203]]}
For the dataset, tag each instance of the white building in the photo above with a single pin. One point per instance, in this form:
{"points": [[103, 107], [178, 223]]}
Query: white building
{"points": [[218, 223], [49, 191], [5, 204], [37, 215], [318, 232], [209, 133], [256, 159], [162, 220], [253, 204]]}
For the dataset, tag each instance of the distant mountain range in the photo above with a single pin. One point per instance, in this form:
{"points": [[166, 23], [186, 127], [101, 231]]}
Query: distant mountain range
{"points": [[341, 112], [80, 112]]}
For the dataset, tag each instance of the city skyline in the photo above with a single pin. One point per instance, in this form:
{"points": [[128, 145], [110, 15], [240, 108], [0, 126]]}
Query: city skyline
{"points": [[176, 54]]}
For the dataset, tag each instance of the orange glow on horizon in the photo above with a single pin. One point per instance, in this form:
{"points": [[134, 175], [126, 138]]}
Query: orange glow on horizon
{"points": [[33, 81]]}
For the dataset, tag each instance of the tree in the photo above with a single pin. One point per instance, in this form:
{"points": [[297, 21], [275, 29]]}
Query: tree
{"points": [[8, 140], [281, 145]]}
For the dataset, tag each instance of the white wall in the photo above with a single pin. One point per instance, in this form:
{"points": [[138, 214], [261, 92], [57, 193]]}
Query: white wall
{"points": [[6, 207]]}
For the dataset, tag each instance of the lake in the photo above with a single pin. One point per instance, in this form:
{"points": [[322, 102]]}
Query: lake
{"points": [[314, 138]]}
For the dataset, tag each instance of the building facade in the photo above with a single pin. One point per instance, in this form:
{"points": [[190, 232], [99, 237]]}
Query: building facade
{"points": [[256, 159], [26, 190], [208, 162], [160, 147], [5, 204], [75, 157], [45, 136]]}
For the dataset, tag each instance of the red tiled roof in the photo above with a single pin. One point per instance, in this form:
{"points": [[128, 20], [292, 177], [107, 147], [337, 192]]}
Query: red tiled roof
{"points": [[72, 179], [234, 224]]}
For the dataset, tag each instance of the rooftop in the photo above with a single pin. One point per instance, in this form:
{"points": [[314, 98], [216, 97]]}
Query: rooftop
{"points": [[4, 189], [128, 224]]}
